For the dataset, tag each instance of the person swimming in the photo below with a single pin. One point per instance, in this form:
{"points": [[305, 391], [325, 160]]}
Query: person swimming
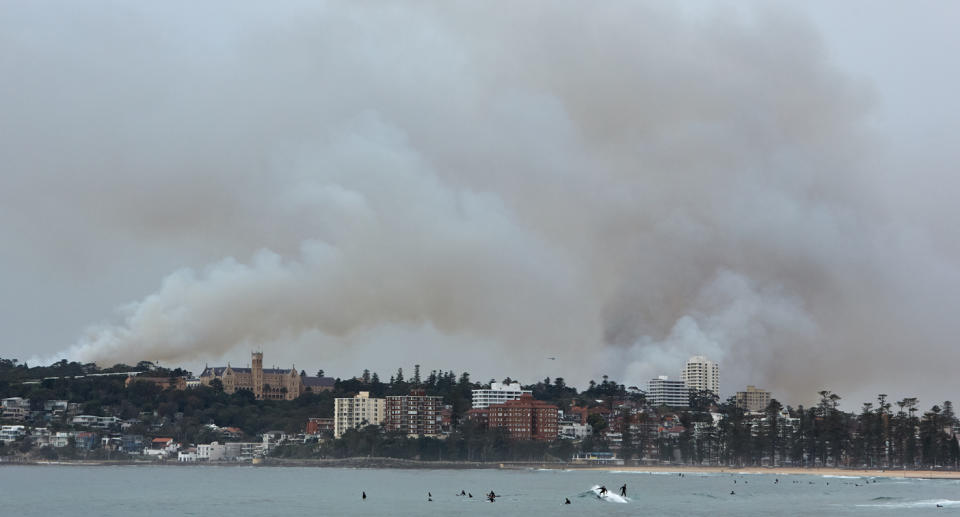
{"points": [[566, 500], [463, 492], [733, 493], [492, 497], [470, 495], [364, 495]]}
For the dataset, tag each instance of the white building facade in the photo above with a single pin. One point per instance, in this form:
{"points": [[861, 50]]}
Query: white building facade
{"points": [[10, 433], [664, 392], [574, 430], [701, 374], [497, 394], [356, 412]]}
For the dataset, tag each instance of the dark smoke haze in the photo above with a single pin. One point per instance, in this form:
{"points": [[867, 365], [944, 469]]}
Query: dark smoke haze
{"points": [[618, 185]]}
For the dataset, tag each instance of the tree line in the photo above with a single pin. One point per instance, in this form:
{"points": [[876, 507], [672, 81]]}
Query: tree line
{"points": [[883, 434]]}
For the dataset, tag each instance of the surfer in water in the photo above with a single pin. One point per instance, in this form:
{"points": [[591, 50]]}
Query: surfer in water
{"points": [[492, 497], [566, 500], [603, 491], [364, 495], [623, 490]]}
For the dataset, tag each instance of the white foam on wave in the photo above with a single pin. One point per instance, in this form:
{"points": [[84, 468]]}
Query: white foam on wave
{"points": [[609, 497], [929, 503], [834, 476]]}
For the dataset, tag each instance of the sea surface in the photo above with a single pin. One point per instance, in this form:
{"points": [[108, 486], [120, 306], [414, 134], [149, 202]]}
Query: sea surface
{"points": [[239, 491]]}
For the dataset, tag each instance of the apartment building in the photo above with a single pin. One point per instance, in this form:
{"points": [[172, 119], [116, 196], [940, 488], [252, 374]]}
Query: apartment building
{"points": [[358, 411], [416, 414]]}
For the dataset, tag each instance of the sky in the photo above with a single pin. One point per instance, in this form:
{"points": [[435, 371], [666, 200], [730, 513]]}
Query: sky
{"points": [[364, 185]]}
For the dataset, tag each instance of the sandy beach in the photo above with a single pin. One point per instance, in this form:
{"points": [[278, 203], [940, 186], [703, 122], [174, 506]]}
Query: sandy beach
{"points": [[784, 471]]}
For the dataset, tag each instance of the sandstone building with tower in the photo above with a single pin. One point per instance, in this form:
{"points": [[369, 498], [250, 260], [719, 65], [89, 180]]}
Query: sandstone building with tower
{"points": [[265, 383]]}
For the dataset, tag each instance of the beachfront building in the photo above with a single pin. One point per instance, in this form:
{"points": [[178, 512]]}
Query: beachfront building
{"points": [[664, 392], [524, 418], [753, 399], [356, 412], [701, 374], [319, 425], [416, 414], [497, 393]]}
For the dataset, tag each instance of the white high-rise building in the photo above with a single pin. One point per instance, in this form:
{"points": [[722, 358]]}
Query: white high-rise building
{"points": [[497, 394], [664, 392], [359, 411], [701, 374]]}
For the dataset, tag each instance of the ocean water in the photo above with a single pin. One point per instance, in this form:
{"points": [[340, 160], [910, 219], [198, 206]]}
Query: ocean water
{"points": [[239, 491]]}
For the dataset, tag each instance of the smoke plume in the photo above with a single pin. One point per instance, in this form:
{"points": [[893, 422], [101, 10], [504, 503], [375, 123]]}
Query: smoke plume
{"points": [[618, 185]]}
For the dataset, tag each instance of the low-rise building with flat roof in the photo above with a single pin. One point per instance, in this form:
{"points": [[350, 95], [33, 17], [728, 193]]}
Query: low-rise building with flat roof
{"points": [[497, 393]]}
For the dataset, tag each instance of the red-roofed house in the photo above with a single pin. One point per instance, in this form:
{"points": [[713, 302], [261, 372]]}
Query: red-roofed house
{"points": [[232, 432], [161, 447]]}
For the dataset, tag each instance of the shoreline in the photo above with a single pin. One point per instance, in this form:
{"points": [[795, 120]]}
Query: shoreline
{"points": [[782, 471], [396, 463]]}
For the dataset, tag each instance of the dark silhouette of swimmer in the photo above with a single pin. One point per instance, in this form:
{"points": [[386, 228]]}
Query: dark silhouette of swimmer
{"points": [[364, 495], [733, 493], [463, 492], [566, 500], [492, 497], [470, 495], [623, 490]]}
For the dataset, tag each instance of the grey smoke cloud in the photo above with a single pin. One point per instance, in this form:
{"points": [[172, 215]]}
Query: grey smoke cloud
{"points": [[622, 186]]}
